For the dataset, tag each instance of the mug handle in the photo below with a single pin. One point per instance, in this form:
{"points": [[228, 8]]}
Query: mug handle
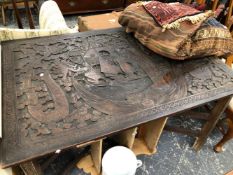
{"points": [[139, 163]]}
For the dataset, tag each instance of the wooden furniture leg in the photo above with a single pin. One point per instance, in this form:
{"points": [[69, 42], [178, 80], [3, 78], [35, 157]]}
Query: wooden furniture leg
{"points": [[210, 125], [148, 136], [96, 154], [188, 132], [150, 132], [31, 168], [229, 173], [35, 6], [229, 60], [229, 134], [215, 4], [29, 14], [3, 15], [91, 163], [229, 15], [146, 140], [19, 22], [126, 138], [187, 1]]}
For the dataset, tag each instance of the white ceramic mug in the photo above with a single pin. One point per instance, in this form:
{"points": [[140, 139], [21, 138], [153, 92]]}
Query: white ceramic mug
{"points": [[120, 160]]}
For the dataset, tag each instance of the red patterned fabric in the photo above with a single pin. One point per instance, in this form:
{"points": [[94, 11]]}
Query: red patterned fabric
{"points": [[204, 38], [166, 13]]}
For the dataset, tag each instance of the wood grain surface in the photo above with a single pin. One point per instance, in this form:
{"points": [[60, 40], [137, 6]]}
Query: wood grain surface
{"points": [[66, 90]]}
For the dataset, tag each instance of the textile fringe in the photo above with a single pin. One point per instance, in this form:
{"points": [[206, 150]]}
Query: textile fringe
{"points": [[176, 24], [139, 3], [193, 19], [212, 32]]}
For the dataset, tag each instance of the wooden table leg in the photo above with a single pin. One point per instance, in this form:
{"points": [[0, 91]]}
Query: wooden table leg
{"points": [[19, 22], [35, 5], [29, 14], [229, 133], [210, 125], [229, 60], [3, 15], [31, 168]]}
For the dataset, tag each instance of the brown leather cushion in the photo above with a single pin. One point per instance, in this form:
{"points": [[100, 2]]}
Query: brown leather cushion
{"points": [[189, 40]]}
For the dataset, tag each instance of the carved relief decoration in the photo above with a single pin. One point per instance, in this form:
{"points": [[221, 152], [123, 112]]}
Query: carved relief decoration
{"points": [[56, 90]]}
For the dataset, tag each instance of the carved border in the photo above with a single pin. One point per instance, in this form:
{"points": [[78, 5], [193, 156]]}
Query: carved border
{"points": [[80, 135]]}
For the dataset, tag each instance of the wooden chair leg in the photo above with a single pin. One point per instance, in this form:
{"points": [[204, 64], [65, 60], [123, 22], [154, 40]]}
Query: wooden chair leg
{"points": [[229, 60], [35, 6], [29, 14], [229, 134], [210, 125], [215, 4], [3, 15], [19, 22]]}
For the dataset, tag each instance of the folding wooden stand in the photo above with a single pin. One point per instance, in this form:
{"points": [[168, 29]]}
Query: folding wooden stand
{"points": [[92, 162], [148, 137], [142, 140]]}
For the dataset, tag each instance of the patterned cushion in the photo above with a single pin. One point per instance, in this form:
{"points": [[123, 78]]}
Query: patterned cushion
{"points": [[169, 15], [187, 41], [212, 38]]}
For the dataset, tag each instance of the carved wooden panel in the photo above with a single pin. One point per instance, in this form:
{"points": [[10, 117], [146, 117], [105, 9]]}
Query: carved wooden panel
{"points": [[66, 90]]}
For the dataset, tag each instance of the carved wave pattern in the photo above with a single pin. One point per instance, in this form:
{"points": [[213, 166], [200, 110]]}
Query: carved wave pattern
{"points": [[71, 88], [75, 82]]}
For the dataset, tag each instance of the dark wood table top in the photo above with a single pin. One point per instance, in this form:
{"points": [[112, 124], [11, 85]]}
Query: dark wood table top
{"points": [[66, 90]]}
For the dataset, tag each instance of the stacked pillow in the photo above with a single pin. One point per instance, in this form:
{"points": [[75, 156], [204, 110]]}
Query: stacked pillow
{"points": [[186, 39]]}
